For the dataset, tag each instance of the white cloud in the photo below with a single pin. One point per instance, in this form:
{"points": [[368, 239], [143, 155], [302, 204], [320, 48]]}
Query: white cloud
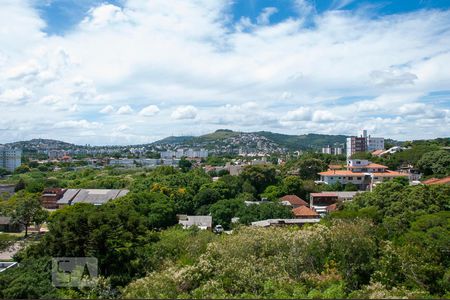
{"points": [[300, 114], [264, 17], [103, 15], [393, 77], [50, 100], [123, 127], [80, 124], [412, 109], [324, 116], [184, 112], [109, 109], [149, 111], [347, 68], [125, 110], [15, 96]]}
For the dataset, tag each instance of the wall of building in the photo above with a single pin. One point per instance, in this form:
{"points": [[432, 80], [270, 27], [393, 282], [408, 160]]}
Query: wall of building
{"points": [[10, 159]]}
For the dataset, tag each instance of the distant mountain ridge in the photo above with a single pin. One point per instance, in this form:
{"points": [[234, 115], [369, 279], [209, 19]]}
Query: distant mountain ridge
{"points": [[222, 138], [290, 142], [42, 143]]}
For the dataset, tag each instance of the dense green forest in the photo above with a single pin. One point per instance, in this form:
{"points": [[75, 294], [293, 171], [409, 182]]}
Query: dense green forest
{"points": [[391, 242]]}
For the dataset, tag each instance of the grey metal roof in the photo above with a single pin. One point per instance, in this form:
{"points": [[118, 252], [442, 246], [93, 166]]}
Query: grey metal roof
{"points": [[68, 196], [347, 194], [93, 196]]}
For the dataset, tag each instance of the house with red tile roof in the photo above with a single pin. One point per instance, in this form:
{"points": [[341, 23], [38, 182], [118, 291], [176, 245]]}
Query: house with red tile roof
{"points": [[360, 172], [304, 212], [293, 200]]}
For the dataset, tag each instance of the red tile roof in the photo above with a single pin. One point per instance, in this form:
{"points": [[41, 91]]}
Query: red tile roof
{"points": [[294, 200], [389, 173], [339, 173], [377, 152], [437, 180], [332, 207], [386, 173], [303, 211]]}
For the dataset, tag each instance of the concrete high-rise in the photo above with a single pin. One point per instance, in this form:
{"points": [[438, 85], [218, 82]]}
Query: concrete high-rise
{"points": [[364, 143], [10, 158]]}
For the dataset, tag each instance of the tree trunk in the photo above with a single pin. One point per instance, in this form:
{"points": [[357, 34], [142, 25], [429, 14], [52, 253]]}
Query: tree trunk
{"points": [[26, 230]]}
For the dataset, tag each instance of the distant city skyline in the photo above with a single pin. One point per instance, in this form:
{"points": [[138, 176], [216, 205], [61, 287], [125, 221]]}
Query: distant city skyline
{"points": [[135, 71]]}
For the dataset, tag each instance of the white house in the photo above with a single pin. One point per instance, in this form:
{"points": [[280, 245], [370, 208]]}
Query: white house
{"points": [[362, 173]]}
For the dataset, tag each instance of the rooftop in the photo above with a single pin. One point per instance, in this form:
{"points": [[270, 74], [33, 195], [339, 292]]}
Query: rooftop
{"points": [[93, 196], [304, 211], [269, 222], [293, 200], [371, 165], [432, 181]]}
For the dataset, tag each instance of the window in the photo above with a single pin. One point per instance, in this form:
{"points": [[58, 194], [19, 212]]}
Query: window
{"points": [[350, 178], [358, 178]]}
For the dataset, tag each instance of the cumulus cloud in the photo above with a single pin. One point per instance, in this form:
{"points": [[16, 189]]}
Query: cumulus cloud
{"points": [[15, 96], [303, 72], [412, 109], [300, 114], [149, 111], [264, 17], [324, 116], [184, 113], [108, 109], [392, 77], [78, 124], [103, 15], [125, 110]]}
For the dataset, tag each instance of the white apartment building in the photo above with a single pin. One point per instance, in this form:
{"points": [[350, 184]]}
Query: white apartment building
{"points": [[375, 143], [332, 150], [10, 159], [190, 153]]}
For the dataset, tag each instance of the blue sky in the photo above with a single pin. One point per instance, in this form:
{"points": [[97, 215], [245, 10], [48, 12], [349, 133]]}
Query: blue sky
{"points": [[62, 15], [134, 71]]}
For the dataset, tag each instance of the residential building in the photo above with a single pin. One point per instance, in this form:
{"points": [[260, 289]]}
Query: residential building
{"points": [[202, 222], [6, 225], [304, 212], [50, 197], [293, 200], [92, 196], [336, 150], [364, 143], [326, 150], [375, 143], [325, 202], [413, 173], [363, 173], [179, 153], [356, 144], [6, 191], [285, 222], [10, 158], [56, 154]]}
